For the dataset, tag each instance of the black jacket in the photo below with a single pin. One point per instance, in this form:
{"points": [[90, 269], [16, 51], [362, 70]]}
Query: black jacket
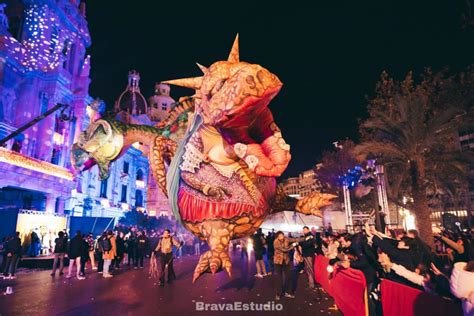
{"points": [[14, 246], [258, 243], [119, 242], [76, 247], [60, 245], [404, 257], [308, 246]]}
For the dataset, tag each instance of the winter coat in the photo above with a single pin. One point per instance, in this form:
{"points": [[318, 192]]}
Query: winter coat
{"points": [[76, 247], [462, 286], [60, 245]]}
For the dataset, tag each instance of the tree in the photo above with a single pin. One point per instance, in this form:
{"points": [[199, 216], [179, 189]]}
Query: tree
{"points": [[413, 127], [334, 164]]}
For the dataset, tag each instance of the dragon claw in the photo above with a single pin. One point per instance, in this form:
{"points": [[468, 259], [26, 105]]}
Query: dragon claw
{"points": [[213, 261]]}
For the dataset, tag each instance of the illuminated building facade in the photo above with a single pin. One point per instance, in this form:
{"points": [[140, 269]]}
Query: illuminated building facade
{"points": [[43, 62]]}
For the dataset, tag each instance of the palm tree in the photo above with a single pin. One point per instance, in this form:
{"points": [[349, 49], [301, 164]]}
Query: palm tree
{"points": [[413, 126]]}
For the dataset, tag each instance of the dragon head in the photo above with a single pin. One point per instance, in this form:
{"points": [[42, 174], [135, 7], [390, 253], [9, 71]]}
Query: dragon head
{"points": [[233, 96], [231, 92], [99, 144]]}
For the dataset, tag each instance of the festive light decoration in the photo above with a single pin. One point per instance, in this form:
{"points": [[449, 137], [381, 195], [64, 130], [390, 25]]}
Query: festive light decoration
{"points": [[19, 160]]}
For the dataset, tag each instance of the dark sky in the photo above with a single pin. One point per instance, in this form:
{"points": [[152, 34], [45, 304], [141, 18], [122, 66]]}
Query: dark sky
{"points": [[328, 54]]}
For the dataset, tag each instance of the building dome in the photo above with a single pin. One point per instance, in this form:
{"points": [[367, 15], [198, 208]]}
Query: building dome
{"points": [[131, 100]]}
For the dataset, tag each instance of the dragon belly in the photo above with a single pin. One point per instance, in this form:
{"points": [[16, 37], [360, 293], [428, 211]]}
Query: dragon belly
{"points": [[194, 206]]}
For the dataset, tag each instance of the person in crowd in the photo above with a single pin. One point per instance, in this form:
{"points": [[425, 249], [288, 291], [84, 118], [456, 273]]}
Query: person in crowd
{"points": [[142, 243], [308, 250], [120, 250], [76, 249], [281, 259], [270, 251], [35, 245], [165, 250], [258, 249], [357, 256], [109, 251], [60, 250], [459, 245], [421, 246], [197, 246], [91, 248], [84, 255], [3, 255], [462, 285], [298, 268], [100, 253], [331, 249], [131, 248], [13, 254]]}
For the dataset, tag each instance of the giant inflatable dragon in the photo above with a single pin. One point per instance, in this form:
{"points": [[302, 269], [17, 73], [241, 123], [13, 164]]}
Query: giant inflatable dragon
{"points": [[220, 178]]}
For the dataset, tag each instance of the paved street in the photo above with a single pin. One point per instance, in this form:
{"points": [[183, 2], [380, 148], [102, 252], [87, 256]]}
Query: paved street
{"points": [[133, 292]]}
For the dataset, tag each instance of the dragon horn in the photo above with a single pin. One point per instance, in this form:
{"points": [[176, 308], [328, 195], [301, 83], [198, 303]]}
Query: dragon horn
{"points": [[234, 52], [203, 69], [193, 82]]}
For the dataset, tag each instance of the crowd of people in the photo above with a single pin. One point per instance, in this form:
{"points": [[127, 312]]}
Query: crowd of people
{"points": [[447, 269], [112, 250]]}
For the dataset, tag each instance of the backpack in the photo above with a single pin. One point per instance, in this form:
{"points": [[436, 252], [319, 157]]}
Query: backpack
{"points": [[60, 245], [106, 244]]}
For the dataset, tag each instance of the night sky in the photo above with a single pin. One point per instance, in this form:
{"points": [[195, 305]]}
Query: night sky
{"points": [[328, 54]]}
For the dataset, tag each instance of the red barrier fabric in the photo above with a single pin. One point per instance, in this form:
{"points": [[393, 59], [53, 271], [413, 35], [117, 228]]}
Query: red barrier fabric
{"points": [[346, 286], [321, 274], [399, 299]]}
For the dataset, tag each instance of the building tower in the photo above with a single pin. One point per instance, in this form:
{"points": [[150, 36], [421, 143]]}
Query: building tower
{"points": [[160, 103], [131, 100]]}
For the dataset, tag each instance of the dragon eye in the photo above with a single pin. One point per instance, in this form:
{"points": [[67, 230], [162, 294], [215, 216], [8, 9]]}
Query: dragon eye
{"points": [[219, 85]]}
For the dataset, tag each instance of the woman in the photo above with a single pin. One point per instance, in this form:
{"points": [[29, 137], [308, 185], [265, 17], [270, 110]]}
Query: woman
{"points": [[76, 246]]}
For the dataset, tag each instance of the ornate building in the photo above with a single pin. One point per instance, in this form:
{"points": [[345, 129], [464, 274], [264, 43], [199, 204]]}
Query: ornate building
{"points": [[302, 185], [131, 106], [43, 62]]}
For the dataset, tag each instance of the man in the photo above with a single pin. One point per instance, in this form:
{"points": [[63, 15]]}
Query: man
{"points": [[142, 242], [258, 249], [76, 250], [165, 247], [120, 250], [84, 255], [13, 253], [281, 259], [270, 251], [308, 247], [60, 250], [100, 252], [109, 251]]}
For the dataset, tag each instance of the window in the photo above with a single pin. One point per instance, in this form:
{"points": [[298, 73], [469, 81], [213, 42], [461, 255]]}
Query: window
{"points": [[139, 174], [164, 106], [56, 155], [139, 198], [103, 188], [126, 166], [124, 194]]}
